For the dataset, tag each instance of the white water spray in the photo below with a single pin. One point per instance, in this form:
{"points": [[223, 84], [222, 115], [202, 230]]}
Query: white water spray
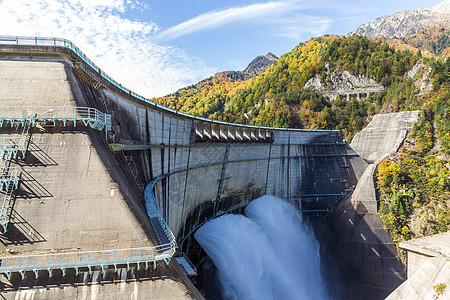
{"points": [[267, 254]]}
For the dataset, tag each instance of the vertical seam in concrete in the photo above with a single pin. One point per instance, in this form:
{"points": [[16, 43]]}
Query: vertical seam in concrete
{"points": [[185, 186], [149, 152], [222, 173], [288, 164], [268, 167], [169, 150], [89, 161]]}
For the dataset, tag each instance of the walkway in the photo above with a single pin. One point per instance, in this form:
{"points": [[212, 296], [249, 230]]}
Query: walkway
{"points": [[88, 115]]}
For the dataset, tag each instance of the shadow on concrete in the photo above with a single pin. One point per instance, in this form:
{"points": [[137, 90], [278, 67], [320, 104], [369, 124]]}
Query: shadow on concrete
{"points": [[36, 157], [30, 188], [111, 282], [20, 232], [359, 258]]}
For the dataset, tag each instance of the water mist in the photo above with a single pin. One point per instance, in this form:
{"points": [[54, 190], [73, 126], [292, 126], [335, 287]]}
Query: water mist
{"points": [[267, 254]]}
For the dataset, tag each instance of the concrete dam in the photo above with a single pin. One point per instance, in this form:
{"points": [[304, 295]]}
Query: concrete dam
{"points": [[103, 189]]}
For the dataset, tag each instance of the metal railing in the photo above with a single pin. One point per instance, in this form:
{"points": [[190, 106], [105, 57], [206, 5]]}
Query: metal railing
{"points": [[59, 42], [153, 212], [11, 146], [90, 259], [9, 177], [88, 115], [103, 258], [4, 211]]}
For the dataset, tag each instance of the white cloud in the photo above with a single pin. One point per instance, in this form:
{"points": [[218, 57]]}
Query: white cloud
{"points": [[122, 48], [214, 19], [299, 26]]}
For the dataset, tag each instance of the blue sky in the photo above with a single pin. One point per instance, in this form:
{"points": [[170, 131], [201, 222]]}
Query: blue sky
{"points": [[156, 47]]}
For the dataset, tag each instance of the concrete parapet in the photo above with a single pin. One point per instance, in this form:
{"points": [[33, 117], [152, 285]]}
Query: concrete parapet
{"points": [[428, 266], [384, 134]]}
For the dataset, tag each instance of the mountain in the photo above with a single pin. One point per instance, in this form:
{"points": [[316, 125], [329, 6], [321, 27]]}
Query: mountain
{"points": [[260, 64], [209, 97], [406, 22], [434, 39]]}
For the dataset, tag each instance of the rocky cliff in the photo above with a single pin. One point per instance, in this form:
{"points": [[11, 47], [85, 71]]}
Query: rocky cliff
{"points": [[260, 64], [343, 83]]}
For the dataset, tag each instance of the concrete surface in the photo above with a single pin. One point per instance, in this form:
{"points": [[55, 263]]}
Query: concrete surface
{"points": [[384, 134], [428, 266], [67, 173], [359, 258], [162, 283], [382, 137]]}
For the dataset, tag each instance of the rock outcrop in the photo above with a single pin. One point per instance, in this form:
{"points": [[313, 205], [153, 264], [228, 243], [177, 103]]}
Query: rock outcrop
{"points": [[420, 74], [343, 83], [260, 64]]}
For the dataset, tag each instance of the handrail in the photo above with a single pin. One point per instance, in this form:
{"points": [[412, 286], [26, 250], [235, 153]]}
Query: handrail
{"points": [[4, 220], [48, 112], [153, 212], [21, 263], [64, 43]]}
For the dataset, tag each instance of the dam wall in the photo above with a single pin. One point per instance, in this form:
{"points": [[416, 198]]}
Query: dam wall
{"points": [[197, 169], [196, 180]]}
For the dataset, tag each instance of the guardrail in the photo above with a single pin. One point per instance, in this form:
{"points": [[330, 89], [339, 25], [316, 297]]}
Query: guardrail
{"points": [[153, 212], [90, 259], [64, 43], [11, 146], [22, 114], [9, 177], [4, 216]]}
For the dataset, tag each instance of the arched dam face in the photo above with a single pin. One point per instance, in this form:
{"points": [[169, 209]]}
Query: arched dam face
{"points": [[81, 189]]}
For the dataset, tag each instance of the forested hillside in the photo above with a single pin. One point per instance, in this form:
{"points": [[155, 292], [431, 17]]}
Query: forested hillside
{"points": [[415, 185], [278, 98]]}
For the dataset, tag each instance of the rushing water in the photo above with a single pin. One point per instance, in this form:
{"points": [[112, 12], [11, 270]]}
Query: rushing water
{"points": [[267, 254]]}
